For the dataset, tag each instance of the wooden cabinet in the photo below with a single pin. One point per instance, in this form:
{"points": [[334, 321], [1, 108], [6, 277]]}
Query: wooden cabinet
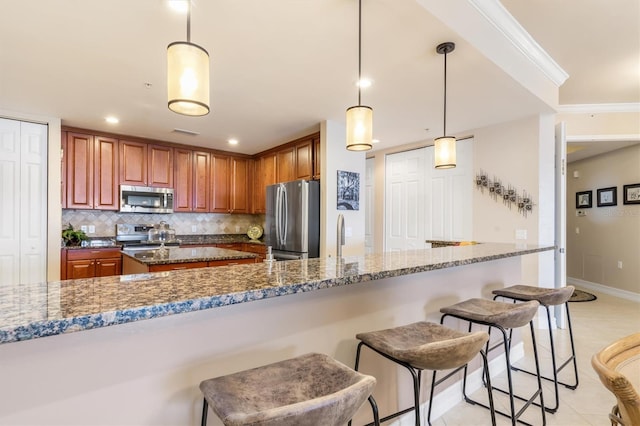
{"points": [[90, 263], [316, 157], [264, 175], [304, 160], [286, 159], [133, 163], [201, 181], [160, 166], [259, 249], [183, 172], [91, 172], [221, 176], [230, 184]]}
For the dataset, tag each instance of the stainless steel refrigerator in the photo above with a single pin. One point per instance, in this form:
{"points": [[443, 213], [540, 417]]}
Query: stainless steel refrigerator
{"points": [[293, 219]]}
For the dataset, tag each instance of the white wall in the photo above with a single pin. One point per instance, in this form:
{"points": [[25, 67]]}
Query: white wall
{"points": [[334, 156]]}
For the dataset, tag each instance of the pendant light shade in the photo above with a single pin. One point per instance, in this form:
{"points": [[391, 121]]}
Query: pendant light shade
{"points": [[445, 146], [359, 128], [445, 152], [188, 76], [360, 117]]}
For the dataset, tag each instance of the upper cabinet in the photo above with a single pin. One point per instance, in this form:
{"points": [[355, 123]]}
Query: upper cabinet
{"points": [[91, 172], [160, 166], [203, 180], [230, 187], [133, 163], [145, 164]]}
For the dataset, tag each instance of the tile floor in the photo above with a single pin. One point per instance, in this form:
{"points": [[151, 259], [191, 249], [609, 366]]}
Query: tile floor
{"points": [[595, 324]]}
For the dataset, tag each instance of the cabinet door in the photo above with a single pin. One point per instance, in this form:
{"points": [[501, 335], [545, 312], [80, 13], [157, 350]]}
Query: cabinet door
{"points": [[77, 269], [220, 186], [160, 167], [133, 163], [183, 188], [316, 158], [79, 173], [240, 195], [201, 181], [286, 165], [265, 175], [108, 267], [63, 171], [106, 194], [304, 160]]}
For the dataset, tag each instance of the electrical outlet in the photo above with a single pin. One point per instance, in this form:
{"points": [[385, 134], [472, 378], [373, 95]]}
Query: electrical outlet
{"points": [[619, 264], [92, 229], [84, 229], [521, 234], [577, 230], [348, 231], [194, 228]]}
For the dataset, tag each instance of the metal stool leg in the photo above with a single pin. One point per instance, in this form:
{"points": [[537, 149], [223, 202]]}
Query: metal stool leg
{"points": [[205, 409]]}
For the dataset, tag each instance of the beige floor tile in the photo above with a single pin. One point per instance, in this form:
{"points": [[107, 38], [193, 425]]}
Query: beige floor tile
{"points": [[595, 325]]}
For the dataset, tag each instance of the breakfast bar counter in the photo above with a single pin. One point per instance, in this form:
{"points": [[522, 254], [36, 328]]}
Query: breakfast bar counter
{"points": [[143, 342]]}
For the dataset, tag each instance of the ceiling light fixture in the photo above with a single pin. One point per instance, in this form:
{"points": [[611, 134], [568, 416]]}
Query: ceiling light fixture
{"points": [[112, 120], [233, 141], [188, 75], [360, 117], [445, 146]]}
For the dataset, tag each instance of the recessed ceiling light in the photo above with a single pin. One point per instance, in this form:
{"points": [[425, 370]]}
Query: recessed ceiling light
{"points": [[180, 6], [112, 120], [364, 83], [375, 140], [233, 141]]}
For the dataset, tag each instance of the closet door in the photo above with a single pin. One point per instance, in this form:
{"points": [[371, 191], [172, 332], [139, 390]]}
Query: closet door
{"points": [[23, 210]]}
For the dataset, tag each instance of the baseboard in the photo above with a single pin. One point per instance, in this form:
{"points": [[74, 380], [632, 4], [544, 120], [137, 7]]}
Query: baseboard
{"points": [[623, 294], [451, 396]]}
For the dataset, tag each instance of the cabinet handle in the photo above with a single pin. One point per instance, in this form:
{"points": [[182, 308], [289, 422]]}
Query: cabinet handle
{"points": [[179, 267]]}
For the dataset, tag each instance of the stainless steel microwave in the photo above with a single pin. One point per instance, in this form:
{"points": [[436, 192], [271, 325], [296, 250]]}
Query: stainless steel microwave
{"points": [[144, 199]]}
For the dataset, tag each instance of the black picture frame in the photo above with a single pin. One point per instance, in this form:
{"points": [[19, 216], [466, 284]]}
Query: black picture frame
{"points": [[607, 196], [584, 199], [631, 194]]}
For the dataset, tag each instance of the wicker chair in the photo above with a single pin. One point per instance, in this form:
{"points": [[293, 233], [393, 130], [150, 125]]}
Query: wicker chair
{"points": [[611, 364]]}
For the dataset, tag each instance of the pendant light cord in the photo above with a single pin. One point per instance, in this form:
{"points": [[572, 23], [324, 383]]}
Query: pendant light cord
{"points": [[359, 48], [444, 125], [189, 21]]}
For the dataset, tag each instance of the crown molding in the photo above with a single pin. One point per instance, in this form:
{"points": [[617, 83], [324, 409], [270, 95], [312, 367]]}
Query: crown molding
{"points": [[604, 138], [494, 12], [598, 108]]}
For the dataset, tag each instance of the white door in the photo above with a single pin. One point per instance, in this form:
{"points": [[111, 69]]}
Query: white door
{"points": [[561, 215], [23, 209], [449, 204], [369, 215], [405, 200]]}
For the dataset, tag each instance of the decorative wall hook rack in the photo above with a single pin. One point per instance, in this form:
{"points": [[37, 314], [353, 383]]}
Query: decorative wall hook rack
{"points": [[508, 194]]}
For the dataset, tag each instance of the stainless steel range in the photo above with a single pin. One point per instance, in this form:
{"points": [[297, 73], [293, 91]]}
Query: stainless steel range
{"points": [[136, 237]]}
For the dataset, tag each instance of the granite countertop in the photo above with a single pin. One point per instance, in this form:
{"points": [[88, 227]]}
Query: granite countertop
{"points": [[32, 311], [216, 239], [184, 255]]}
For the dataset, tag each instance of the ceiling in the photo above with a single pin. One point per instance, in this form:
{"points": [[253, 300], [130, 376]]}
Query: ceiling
{"points": [[281, 67]]}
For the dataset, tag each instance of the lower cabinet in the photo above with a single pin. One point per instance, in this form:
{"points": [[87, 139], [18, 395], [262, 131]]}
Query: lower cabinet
{"points": [[90, 263]]}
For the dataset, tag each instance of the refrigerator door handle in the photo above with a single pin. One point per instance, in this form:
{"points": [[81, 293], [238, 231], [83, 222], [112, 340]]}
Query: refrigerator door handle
{"points": [[285, 215], [278, 213]]}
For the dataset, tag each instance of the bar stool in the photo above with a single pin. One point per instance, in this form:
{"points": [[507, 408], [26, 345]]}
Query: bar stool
{"points": [[503, 316], [426, 346], [312, 389], [547, 297]]}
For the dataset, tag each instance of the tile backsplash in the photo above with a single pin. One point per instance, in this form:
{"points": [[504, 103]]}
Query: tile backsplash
{"points": [[183, 223]]}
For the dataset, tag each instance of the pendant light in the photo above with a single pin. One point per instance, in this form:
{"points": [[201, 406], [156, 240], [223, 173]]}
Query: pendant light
{"points": [[445, 146], [360, 117], [188, 75]]}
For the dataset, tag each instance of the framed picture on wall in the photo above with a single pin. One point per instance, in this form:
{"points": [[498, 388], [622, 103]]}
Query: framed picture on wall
{"points": [[608, 196], [583, 200], [348, 190], [631, 194]]}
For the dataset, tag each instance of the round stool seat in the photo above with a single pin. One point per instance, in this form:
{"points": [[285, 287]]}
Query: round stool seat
{"points": [[311, 389], [426, 345], [506, 315], [546, 296]]}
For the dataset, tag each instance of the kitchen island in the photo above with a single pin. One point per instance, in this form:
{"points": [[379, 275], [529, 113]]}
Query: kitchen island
{"points": [[99, 354], [177, 258]]}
